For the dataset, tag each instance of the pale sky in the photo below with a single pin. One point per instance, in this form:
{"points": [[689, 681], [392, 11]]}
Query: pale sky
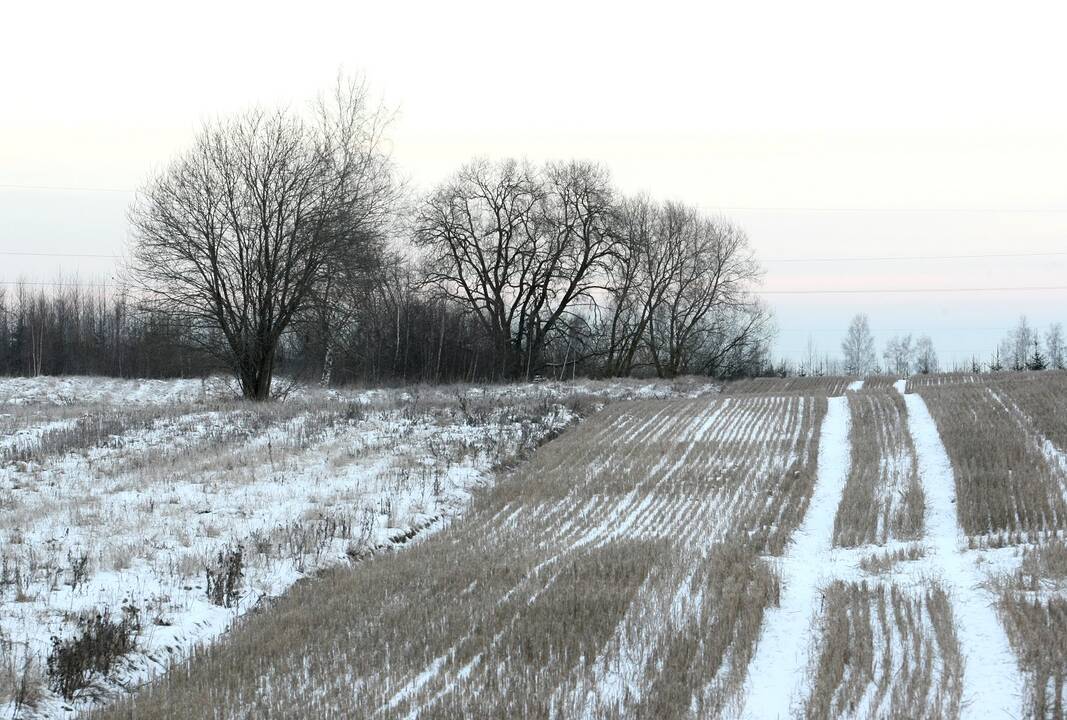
{"points": [[826, 130]]}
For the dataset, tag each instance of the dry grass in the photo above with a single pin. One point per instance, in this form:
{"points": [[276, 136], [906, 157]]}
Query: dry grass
{"points": [[621, 555], [916, 383], [114, 502], [1043, 563], [880, 382], [883, 653], [883, 499], [809, 385], [1004, 482], [887, 561], [1037, 630], [704, 658], [1040, 397]]}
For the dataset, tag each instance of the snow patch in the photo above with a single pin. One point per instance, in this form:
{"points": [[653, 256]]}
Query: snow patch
{"points": [[776, 675], [993, 686]]}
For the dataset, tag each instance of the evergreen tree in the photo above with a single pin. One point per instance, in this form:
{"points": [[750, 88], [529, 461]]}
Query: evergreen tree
{"points": [[995, 365], [1036, 360]]}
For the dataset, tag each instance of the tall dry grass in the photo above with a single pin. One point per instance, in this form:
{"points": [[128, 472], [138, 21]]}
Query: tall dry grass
{"points": [[1041, 398], [112, 502], [883, 499], [885, 653], [1037, 629], [624, 553], [1004, 482], [880, 382], [821, 385]]}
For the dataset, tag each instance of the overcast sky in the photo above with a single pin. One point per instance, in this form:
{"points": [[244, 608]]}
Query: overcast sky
{"points": [[827, 130]]}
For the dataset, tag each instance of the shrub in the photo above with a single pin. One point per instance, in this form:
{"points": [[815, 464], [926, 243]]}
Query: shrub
{"points": [[100, 642], [224, 577]]}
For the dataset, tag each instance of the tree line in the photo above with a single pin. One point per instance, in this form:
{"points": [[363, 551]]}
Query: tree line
{"points": [[1023, 348], [285, 241]]}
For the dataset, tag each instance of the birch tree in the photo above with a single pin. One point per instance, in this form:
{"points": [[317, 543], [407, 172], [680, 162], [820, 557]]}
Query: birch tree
{"points": [[858, 347]]}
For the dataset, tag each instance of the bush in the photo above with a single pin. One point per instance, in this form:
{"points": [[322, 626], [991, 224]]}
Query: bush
{"points": [[224, 578], [100, 642]]}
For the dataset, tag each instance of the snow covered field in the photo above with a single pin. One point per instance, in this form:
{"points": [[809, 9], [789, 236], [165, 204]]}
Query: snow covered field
{"points": [[824, 548], [121, 496]]}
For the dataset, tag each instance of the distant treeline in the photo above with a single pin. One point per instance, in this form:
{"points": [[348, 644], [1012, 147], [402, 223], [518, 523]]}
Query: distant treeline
{"points": [[1023, 348], [72, 328], [285, 242]]}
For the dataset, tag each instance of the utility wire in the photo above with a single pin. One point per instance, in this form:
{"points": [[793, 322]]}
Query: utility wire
{"points": [[64, 188], [717, 208], [860, 291], [57, 254], [40, 283], [844, 291], [798, 259], [893, 258], [960, 210]]}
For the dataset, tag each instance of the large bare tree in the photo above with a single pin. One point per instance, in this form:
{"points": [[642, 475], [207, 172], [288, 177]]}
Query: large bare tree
{"points": [[256, 224], [705, 306], [679, 292], [519, 247]]}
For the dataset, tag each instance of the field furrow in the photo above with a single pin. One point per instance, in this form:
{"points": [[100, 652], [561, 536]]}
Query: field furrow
{"points": [[588, 583]]}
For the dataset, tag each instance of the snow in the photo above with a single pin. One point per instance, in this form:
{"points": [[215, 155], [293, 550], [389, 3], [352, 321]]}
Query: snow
{"points": [[779, 675], [776, 676], [993, 684], [87, 389], [92, 501], [151, 504]]}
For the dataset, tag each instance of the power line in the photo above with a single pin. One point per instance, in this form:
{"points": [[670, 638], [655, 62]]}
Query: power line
{"points": [[885, 258], [65, 188], [718, 208], [843, 291], [58, 283], [860, 291], [885, 330], [825, 259], [960, 210], [57, 254]]}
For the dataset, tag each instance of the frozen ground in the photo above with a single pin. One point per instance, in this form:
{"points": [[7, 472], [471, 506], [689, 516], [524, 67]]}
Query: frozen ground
{"points": [[781, 673], [776, 684], [123, 499], [993, 685], [122, 494]]}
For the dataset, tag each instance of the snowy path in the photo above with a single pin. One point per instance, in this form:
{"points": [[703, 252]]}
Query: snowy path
{"points": [[992, 684], [776, 676]]}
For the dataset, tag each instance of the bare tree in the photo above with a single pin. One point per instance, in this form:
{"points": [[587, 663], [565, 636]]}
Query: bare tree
{"points": [[1016, 346], [635, 280], [925, 356], [519, 247], [708, 271], [810, 365], [858, 347], [246, 230], [1054, 346], [899, 355]]}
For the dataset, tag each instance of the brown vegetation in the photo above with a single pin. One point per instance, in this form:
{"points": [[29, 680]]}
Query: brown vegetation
{"points": [[811, 385], [886, 654], [568, 580], [883, 498], [1038, 632], [1004, 482]]}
